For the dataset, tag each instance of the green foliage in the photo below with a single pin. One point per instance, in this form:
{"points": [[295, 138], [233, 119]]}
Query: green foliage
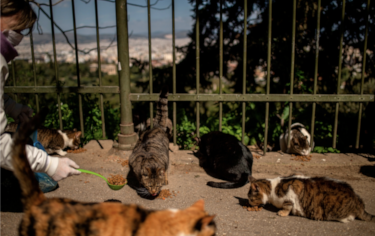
{"points": [[320, 149]]}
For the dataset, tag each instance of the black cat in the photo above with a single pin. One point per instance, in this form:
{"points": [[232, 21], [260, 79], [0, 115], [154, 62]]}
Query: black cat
{"points": [[225, 157]]}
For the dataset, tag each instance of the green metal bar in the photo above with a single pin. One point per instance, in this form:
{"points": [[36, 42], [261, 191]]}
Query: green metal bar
{"points": [[174, 76], [78, 71], [99, 67], [339, 74], [315, 73], [127, 138], [150, 62], [221, 65], [244, 70], [292, 66], [34, 70], [197, 62], [363, 76], [268, 73], [14, 79], [55, 61]]}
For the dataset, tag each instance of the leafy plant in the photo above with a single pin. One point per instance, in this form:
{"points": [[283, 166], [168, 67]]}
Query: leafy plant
{"points": [[320, 149]]}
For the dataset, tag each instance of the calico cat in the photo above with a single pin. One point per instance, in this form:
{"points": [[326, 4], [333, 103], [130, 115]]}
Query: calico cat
{"points": [[53, 140], [300, 140], [61, 216], [150, 158], [317, 198], [226, 157]]}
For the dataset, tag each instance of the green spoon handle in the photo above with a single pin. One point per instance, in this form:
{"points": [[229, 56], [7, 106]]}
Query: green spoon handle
{"points": [[93, 173]]}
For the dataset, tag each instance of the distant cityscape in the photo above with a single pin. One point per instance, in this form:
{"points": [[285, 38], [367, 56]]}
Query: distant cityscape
{"points": [[138, 48]]}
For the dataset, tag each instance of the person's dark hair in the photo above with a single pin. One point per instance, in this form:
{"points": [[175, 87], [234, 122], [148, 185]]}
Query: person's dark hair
{"points": [[27, 16]]}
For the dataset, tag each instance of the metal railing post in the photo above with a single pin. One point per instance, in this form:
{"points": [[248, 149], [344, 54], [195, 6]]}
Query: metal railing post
{"points": [[127, 137]]}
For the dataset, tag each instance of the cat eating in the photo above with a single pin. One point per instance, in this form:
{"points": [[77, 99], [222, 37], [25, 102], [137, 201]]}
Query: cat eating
{"points": [[317, 198], [300, 140], [61, 216], [53, 140], [150, 157], [225, 157]]}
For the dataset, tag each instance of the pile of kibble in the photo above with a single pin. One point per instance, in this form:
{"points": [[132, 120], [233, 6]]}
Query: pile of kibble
{"points": [[255, 208], [301, 158], [165, 193], [117, 180], [76, 150]]}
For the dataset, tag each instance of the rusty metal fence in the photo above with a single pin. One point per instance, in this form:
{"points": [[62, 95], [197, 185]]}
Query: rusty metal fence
{"points": [[127, 137]]}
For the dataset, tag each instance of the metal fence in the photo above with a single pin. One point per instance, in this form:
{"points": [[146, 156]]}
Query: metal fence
{"points": [[127, 137]]}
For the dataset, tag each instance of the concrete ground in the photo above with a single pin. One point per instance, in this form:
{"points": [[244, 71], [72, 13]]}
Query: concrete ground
{"points": [[188, 180]]}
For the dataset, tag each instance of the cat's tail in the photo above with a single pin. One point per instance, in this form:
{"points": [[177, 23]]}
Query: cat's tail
{"points": [[162, 108], [31, 193], [241, 182], [367, 217]]}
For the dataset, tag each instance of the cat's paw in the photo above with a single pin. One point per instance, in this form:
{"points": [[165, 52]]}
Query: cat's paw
{"points": [[283, 213], [61, 152]]}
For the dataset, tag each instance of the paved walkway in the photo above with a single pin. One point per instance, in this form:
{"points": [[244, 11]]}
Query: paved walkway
{"points": [[188, 180]]}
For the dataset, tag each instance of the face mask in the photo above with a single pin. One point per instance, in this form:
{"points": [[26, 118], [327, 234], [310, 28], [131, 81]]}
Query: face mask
{"points": [[13, 37]]}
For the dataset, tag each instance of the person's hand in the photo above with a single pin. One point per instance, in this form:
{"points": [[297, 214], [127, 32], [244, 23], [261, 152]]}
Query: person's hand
{"points": [[65, 168]]}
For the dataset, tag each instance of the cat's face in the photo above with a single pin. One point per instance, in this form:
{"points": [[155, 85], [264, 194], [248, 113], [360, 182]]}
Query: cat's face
{"points": [[75, 138], [257, 193], [300, 145], [153, 179]]}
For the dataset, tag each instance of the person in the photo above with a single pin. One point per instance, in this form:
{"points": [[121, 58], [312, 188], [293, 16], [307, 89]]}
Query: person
{"points": [[18, 16]]}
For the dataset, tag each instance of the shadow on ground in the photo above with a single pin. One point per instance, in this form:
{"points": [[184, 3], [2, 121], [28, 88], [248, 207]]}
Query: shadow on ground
{"points": [[368, 171]]}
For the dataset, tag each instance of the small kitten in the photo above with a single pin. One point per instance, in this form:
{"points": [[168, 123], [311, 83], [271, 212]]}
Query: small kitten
{"points": [[61, 216], [227, 157], [55, 141], [300, 140], [317, 198], [150, 158]]}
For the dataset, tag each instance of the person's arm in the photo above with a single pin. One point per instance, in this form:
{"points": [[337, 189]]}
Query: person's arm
{"points": [[40, 161]]}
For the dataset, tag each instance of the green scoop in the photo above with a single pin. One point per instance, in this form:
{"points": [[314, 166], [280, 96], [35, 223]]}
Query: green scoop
{"points": [[113, 187]]}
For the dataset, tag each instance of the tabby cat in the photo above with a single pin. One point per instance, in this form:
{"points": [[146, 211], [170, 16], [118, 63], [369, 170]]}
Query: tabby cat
{"points": [[150, 158], [226, 157], [61, 216], [300, 140], [317, 198], [53, 140]]}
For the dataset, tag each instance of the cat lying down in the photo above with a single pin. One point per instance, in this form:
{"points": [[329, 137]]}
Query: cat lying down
{"points": [[62, 216], [317, 198]]}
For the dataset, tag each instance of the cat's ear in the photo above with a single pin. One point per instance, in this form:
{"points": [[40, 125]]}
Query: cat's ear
{"points": [[304, 138], [78, 134], [160, 171], [254, 187], [251, 179], [204, 222], [75, 130], [199, 204]]}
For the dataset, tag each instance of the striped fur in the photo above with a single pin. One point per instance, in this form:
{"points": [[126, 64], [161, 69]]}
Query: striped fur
{"points": [[59, 216], [150, 158], [317, 198]]}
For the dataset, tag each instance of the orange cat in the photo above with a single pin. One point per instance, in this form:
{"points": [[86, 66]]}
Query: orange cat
{"points": [[317, 198], [61, 216]]}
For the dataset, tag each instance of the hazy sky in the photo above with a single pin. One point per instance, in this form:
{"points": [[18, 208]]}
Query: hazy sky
{"points": [[161, 20]]}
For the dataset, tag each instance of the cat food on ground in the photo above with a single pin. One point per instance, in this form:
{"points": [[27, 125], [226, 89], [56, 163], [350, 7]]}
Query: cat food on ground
{"points": [[76, 150], [256, 156], [116, 180], [125, 163], [255, 208], [165, 193], [301, 158]]}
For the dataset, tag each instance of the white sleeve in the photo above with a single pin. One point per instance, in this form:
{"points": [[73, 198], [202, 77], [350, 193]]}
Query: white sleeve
{"points": [[38, 159]]}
